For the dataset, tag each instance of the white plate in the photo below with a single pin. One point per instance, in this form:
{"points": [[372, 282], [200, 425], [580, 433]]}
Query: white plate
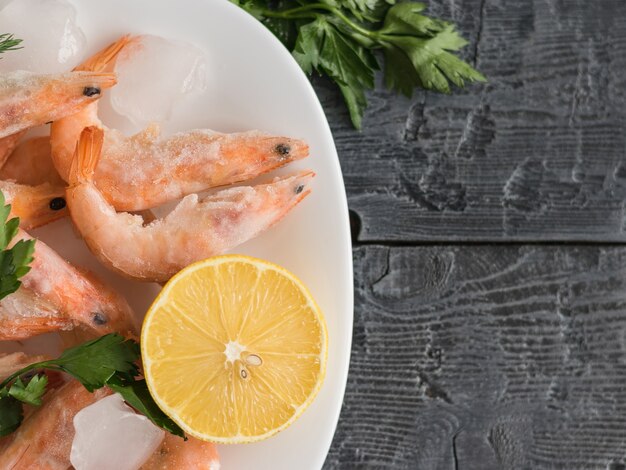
{"points": [[254, 84]]}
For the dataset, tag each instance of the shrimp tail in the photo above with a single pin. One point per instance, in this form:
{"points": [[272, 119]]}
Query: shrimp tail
{"points": [[86, 156], [99, 61]]}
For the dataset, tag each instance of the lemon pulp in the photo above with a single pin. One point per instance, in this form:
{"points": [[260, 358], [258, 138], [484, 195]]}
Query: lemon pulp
{"points": [[234, 349]]}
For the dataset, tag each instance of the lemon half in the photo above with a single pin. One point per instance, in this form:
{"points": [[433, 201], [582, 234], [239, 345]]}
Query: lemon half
{"points": [[234, 349]]}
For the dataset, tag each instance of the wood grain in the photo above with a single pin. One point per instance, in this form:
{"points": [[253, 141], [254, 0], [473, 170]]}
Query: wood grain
{"points": [[539, 153], [486, 357]]}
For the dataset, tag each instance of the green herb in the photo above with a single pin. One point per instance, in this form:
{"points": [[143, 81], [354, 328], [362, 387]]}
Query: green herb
{"points": [[11, 415], [137, 395], [15, 260], [93, 363], [9, 43], [107, 361], [32, 392], [338, 39]]}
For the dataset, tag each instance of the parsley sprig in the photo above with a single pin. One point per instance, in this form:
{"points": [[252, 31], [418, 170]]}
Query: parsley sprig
{"points": [[14, 261], [9, 43], [338, 38], [107, 361]]}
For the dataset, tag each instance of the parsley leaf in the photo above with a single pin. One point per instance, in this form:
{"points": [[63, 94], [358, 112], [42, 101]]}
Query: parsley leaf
{"points": [[363, 10], [137, 395], [30, 393], [322, 46], [11, 415], [14, 261], [400, 75], [93, 363], [107, 361], [406, 19], [338, 38], [309, 45]]}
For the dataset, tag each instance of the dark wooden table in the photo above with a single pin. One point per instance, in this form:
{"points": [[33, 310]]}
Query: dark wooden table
{"points": [[490, 251]]}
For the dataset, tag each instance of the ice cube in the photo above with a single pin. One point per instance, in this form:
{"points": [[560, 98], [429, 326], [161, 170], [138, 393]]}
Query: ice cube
{"points": [[109, 434], [153, 74], [52, 41]]}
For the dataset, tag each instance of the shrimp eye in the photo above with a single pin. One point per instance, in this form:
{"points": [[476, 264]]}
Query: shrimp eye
{"points": [[99, 318], [283, 150], [57, 204], [299, 189], [91, 91]]}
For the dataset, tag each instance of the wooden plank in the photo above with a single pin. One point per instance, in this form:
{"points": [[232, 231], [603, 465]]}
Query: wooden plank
{"points": [[539, 153], [486, 358]]}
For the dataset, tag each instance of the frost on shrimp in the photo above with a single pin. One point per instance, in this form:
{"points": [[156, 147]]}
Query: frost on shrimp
{"points": [[28, 99], [56, 296], [146, 170], [194, 230]]}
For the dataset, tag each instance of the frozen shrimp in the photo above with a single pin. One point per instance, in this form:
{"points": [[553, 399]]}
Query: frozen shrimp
{"points": [[34, 205], [44, 439], [28, 99], [55, 296], [174, 452], [145, 170], [194, 230], [31, 163]]}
